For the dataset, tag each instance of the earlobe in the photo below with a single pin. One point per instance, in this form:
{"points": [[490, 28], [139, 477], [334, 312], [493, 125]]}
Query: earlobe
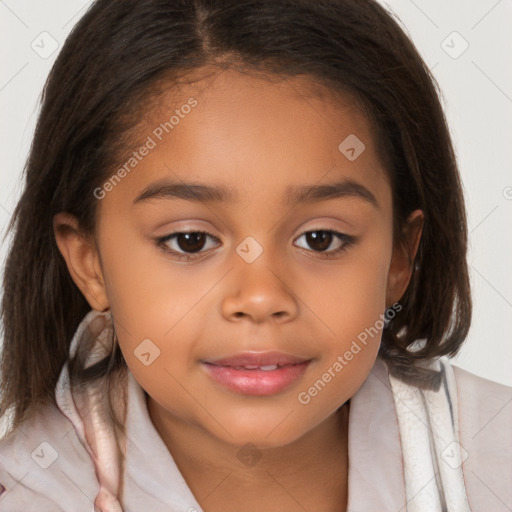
{"points": [[82, 259], [402, 260]]}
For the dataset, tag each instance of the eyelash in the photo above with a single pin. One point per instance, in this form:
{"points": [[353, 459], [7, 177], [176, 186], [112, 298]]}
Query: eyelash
{"points": [[347, 242]]}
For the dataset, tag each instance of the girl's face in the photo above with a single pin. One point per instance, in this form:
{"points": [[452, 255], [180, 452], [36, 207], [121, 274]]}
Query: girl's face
{"points": [[274, 271]]}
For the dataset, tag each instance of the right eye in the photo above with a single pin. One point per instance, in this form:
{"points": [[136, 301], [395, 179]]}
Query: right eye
{"points": [[188, 243]]}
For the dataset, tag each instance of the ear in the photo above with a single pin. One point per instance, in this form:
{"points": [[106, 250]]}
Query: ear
{"points": [[82, 259], [402, 259]]}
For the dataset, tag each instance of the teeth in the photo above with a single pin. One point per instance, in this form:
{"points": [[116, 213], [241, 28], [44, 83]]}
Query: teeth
{"points": [[266, 368]]}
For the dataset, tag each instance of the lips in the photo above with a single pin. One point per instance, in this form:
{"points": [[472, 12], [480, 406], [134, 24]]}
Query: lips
{"points": [[254, 360], [257, 374]]}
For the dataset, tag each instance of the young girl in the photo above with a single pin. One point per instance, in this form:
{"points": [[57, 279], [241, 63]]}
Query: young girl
{"points": [[238, 272]]}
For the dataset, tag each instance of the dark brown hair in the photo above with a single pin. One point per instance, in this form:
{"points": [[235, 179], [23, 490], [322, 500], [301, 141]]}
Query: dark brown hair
{"points": [[113, 60]]}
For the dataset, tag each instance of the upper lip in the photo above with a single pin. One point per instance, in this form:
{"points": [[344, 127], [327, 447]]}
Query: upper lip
{"points": [[258, 359]]}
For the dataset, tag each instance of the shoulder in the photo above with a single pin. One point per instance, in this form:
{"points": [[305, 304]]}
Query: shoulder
{"points": [[485, 426], [45, 467], [482, 386], [482, 402]]}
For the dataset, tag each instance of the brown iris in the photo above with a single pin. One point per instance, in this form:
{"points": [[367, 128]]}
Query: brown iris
{"points": [[319, 240], [191, 242]]}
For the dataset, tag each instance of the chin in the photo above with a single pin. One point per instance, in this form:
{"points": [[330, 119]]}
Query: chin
{"points": [[263, 435]]}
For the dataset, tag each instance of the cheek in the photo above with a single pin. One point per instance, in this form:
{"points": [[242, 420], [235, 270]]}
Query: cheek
{"points": [[157, 310], [146, 290], [350, 295], [350, 306]]}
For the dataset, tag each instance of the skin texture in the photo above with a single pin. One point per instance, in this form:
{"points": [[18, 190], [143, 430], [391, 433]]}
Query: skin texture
{"points": [[260, 138]]}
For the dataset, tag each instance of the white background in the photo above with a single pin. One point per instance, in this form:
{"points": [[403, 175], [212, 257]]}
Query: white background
{"points": [[477, 87]]}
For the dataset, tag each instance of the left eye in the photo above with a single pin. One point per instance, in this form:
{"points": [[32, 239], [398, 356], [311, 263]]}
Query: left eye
{"points": [[322, 239]]}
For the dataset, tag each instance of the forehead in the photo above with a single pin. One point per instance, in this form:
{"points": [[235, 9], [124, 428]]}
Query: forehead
{"points": [[254, 135]]}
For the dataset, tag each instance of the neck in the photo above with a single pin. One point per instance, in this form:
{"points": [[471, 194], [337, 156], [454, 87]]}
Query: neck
{"points": [[307, 474]]}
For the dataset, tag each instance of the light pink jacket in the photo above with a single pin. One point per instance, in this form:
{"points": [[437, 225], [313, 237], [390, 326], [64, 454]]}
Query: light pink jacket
{"points": [[408, 450]]}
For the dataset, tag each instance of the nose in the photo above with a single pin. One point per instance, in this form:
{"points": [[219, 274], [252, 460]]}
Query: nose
{"points": [[257, 292]]}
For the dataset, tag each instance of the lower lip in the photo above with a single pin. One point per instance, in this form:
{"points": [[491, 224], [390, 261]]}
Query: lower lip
{"points": [[256, 382]]}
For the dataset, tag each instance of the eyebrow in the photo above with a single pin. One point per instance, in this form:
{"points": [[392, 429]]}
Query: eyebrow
{"points": [[199, 192]]}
